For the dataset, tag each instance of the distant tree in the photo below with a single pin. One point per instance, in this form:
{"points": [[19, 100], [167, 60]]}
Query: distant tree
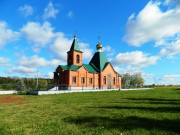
{"points": [[26, 83], [43, 84], [126, 80], [132, 81], [139, 80], [20, 85], [16, 83]]}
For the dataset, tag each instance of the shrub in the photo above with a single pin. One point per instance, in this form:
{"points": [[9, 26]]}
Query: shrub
{"points": [[21, 92]]}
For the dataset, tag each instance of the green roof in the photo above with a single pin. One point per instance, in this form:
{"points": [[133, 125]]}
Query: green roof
{"points": [[74, 67], [69, 67], [99, 61], [75, 45], [89, 68]]}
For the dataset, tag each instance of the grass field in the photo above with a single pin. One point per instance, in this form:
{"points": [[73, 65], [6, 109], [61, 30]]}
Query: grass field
{"points": [[148, 112]]}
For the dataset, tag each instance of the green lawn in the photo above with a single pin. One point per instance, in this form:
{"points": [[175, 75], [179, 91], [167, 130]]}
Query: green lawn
{"points": [[128, 112]]}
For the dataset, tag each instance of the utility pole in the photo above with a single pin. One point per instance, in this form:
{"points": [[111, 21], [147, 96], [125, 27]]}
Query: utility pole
{"points": [[37, 81]]}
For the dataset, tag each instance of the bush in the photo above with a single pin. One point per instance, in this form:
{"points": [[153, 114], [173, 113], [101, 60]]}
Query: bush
{"points": [[21, 92]]}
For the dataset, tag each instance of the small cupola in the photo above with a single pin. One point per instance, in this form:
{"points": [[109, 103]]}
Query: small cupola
{"points": [[99, 47]]}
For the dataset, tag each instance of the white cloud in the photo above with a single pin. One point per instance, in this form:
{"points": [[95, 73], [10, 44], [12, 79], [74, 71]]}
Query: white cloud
{"points": [[87, 52], [70, 14], [149, 78], [148, 75], [40, 34], [171, 79], [33, 61], [136, 58], [26, 10], [6, 34], [109, 50], [172, 76], [27, 71], [63, 44], [44, 75], [4, 61], [27, 66], [39, 62], [152, 24], [50, 11], [171, 49], [50, 75], [128, 64], [127, 69], [172, 2], [118, 69], [55, 62]]}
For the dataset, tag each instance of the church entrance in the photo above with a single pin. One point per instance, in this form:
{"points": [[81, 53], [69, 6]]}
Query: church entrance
{"points": [[109, 81]]}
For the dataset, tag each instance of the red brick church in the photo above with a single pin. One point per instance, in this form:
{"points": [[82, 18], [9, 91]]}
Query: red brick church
{"points": [[98, 74]]}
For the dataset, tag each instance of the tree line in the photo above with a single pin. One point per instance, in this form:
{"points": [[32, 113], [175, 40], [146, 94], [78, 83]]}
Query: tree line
{"points": [[132, 81], [16, 83]]}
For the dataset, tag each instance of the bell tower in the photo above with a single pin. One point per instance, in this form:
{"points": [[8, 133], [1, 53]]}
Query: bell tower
{"points": [[74, 55]]}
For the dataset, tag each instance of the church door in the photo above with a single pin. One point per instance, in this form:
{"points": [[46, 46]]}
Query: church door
{"points": [[109, 81]]}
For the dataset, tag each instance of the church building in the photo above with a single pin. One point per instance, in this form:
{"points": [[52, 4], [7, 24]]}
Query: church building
{"points": [[98, 74]]}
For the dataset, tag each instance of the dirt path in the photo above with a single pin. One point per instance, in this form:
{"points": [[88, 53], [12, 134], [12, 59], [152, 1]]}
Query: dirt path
{"points": [[11, 99]]}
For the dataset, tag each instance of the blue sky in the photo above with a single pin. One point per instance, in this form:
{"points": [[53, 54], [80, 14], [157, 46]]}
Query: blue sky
{"points": [[137, 36]]}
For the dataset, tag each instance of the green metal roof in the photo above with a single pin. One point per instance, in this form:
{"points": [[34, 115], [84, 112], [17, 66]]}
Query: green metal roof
{"points": [[69, 67], [75, 45], [89, 68], [99, 61], [74, 67]]}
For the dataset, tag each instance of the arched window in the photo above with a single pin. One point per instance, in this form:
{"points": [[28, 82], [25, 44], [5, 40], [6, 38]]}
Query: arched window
{"points": [[82, 80], [69, 59], [77, 58], [73, 79], [90, 80], [114, 80], [104, 79]]}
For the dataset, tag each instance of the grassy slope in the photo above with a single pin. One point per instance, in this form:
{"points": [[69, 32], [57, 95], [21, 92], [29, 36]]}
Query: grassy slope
{"points": [[130, 112]]}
